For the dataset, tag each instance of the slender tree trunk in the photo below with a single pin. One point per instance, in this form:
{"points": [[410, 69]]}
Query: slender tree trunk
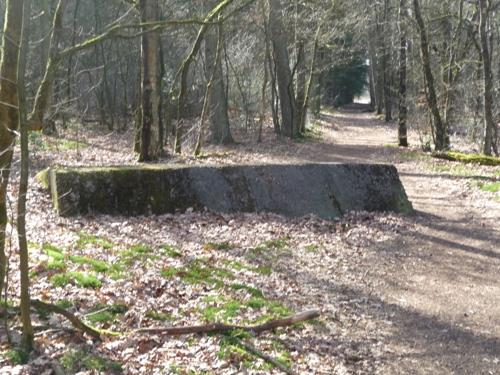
{"points": [[371, 78], [28, 334], [301, 86], [69, 70], [206, 101], [219, 118], [375, 45], [440, 130], [150, 147], [307, 95], [271, 68], [184, 70], [289, 112], [44, 94], [386, 64], [9, 111], [403, 108], [490, 135]]}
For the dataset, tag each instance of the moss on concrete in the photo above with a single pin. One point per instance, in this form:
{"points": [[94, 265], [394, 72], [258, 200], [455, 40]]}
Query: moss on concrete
{"points": [[327, 190]]}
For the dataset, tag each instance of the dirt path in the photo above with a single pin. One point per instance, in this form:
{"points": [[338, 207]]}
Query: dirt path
{"points": [[398, 294], [438, 283]]}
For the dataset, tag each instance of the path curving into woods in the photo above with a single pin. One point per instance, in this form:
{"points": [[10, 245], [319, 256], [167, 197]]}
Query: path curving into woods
{"points": [[438, 284]]}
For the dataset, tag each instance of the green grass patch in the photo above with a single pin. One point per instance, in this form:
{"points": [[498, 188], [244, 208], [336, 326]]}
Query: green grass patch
{"points": [[218, 246], [223, 309], [238, 266], [276, 244], [58, 260], [312, 133], [78, 360], [274, 309], [391, 146], [9, 304], [68, 144], [231, 350], [171, 251], [81, 279], [198, 272], [53, 251], [137, 253], [312, 248], [97, 265], [101, 313], [492, 187], [458, 170], [224, 312], [65, 304], [270, 246], [56, 265], [254, 292], [85, 239], [41, 142], [17, 356]]}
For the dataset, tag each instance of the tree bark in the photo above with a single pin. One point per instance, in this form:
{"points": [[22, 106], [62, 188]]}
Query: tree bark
{"points": [[312, 74], [490, 136], [289, 113], [219, 119], [28, 335], [386, 64], [301, 85], [150, 146], [403, 108], [44, 94], [441, 138], [9, 111], [182, 75], [208, 91]]}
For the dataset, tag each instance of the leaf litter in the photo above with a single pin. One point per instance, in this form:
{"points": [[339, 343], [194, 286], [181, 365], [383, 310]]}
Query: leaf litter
{"points": [[196, 267]]}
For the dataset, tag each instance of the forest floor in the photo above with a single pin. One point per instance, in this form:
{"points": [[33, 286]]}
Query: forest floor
{"points": [[417, 294]]}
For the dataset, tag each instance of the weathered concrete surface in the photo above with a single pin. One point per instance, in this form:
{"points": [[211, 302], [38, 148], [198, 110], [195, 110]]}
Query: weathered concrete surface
{"points": [[327, 190]]}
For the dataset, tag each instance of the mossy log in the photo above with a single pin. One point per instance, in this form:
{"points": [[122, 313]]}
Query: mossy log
{"points": [[326, 190], [468, 158]]}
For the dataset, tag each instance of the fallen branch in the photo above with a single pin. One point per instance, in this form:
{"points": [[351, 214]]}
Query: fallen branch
{"points": [[253, 350], [74, 320], [223, 328]]}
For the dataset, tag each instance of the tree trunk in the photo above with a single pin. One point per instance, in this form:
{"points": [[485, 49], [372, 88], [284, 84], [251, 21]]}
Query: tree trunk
{"points": [[403, 108], [9, 115], [441, 138], [490, 136], [289, 112], [219, 118], [386, 65], [208, 91], [182, 75], [150, 147], [28, 334], [307, 95], [44, 94]]}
